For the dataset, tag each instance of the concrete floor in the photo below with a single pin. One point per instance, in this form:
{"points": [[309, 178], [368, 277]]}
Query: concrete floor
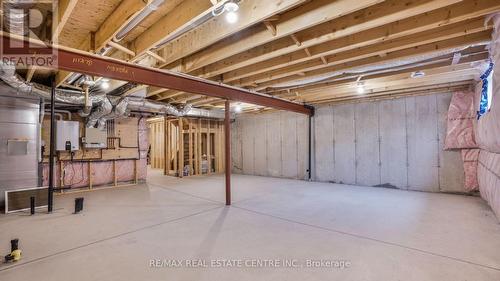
{"points": [[384, 234]]}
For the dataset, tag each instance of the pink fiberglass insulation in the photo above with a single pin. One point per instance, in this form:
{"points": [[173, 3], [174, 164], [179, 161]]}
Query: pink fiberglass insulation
{"points": [[75, 174], [488, 132], [488, 126], [125, 170], [102, 173], [488, 173], [143, 135], [461, 116], [470, 160]]}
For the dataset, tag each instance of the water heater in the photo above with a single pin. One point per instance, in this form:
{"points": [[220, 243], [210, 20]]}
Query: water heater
{"points": [[67, 135]]}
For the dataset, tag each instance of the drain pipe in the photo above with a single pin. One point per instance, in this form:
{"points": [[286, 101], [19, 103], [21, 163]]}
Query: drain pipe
{"points": [[309, 160]]}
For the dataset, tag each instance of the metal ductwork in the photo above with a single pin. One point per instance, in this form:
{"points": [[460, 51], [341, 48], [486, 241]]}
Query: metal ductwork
{"points": [[217, 10], [16, 17], [140, 104], [137, 19], [98, 107]]}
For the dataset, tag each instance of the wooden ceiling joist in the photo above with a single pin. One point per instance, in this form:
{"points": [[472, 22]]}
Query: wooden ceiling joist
{"points": [[186, 13], [413, 91], [350, 17], [86, 63], [303, 17], [454, 73], [250, 13], [169, 95], [64, 10], [367, 57], [108, 29], [364, 38], [471, 55]]}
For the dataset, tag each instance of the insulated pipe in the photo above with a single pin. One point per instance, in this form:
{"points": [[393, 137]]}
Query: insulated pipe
{"points": [[137, 19], [59, 115]]}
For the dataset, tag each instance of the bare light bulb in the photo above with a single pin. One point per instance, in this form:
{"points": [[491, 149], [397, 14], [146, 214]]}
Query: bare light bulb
{"points": [[105, 85], [237, 108], [231, 17], [361, 89]]}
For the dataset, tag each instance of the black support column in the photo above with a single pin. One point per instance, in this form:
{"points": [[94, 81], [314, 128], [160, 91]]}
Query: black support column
{"points": [[52, 149]]}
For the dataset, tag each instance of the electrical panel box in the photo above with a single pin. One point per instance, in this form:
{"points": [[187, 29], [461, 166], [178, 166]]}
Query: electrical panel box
{"points": [[67, 135], [95, 138]]}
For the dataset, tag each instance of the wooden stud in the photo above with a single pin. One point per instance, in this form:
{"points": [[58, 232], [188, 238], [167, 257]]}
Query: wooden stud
{"points": [[190, 139], [296, 40], [121, 48], [175, 147], [271, 27], [323, 59], [167, 147], [199, 142], [61, 175], [181, 148], [308, 52], [165, 144], [31, 71], [209, 147], [156, 56], [216, 147]]}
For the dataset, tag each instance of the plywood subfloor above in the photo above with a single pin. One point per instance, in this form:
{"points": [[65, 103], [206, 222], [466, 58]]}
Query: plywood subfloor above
{"points": [[86, 17]]}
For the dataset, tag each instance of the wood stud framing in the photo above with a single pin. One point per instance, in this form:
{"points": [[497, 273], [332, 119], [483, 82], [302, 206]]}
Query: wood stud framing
{"points": [[202, 142]]}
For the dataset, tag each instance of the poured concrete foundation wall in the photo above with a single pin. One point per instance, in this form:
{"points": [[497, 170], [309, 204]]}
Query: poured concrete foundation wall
{"points": [[395, 143], [271, 144]]}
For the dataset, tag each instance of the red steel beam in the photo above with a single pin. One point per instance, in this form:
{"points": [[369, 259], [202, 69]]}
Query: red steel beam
{"points": [[86, 63]]}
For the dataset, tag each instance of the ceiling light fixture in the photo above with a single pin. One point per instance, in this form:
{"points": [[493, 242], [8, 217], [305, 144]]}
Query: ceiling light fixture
{"points": [[361, 89], [237, 108], [417, 74], [230, 8], [361, 85], [105, 85]]}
